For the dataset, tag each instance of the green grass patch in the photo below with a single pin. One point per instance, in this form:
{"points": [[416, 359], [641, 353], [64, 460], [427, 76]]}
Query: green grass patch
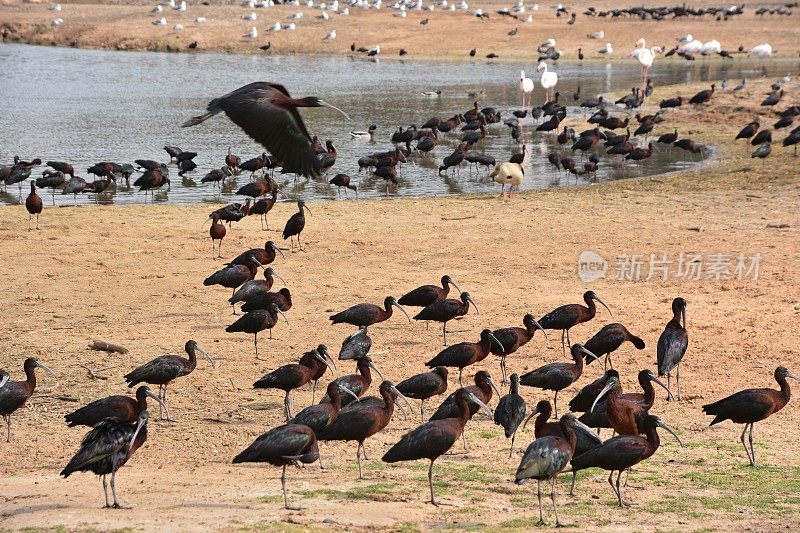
{"points": [[280, 527], [373, 492], [762, 489], [271, 498]]}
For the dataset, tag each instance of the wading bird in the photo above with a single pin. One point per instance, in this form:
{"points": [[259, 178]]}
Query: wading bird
{"points": [[608, 340], [557, 376], [512, 339], [570, 315], [424, 386], [119, 407], [672, 344], [256, 321], [464, 354], [366, 314], [296, 224], [445, 310], [14, 394], [510, 411]]}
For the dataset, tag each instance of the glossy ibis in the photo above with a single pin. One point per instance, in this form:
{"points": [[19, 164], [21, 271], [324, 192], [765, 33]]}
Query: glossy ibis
{"points": [[512, 339], [263, 206], [621, 452], [321, 415], [358, 383], [584, 440], [424, 386], [464, 354], [672, 344], [546, 457], [262, 300], [295, 224], [703, 96], [623, 412], [608, 340], [671, 102], [585, 397], [557, 376], [366, 314], [106, 448], [51, 180], [164, 369], [74, 186], [294, 375], [267, 113], [570, 315], [14, 394], [434, 438], [254, 287], [4, 377], [343, 180], [356, 345], [763, 151], [59, 166], [748, 131], [256, 321], [233, 276], [445, 310], [119, 407], [264, 256], [483, 389], [217, 232], [33, 204], [259, 187], [750, 406], [425, 295], [510, 411], [290, 444], [360, 424]]}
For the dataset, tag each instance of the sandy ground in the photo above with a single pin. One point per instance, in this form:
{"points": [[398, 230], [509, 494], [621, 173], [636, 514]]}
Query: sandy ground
{"points": [[127, 26], [133, 275]]}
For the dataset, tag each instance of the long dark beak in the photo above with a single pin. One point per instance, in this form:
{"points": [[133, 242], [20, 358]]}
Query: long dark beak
{"points": [[404, 312], [375, 368], [480, 403], [604, 305], [401, 396], [284, 316], [590, 354], [279, 251], [326, 104], [156, 398], [495, 388], [536, 412], [793, 376], [612, 383], [539, 327], [454, 285], [279, 277], [683, 316], [329, 360], [661, 424], [496, 341], [307, 209], [210, 359], [143, 416], [256, 262], [577, 423], [322, 359], [470, 300], [45, 368], [656, 380]]}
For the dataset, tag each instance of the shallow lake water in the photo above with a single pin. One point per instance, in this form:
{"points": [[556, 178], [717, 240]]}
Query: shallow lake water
{"points": [[86, 106]]}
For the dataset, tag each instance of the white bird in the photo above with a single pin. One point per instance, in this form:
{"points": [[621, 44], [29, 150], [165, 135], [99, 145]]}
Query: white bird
{"points": [[157, 9], [685, 39], [249, 4], [375, 51], [200, 20], [762, 51], [295, 16], [177, 27], [525, 87], [596, 35], [645, 56], [431, 94], [290, 26], [606, 50], [507, 174], [160, 22], [401, 14], [692, 47], [57, 22], [171, 3], [548, 79], [711, 47], [250, 16], [331, 36], [56, 7], [528, 19], [323, 16], [181, 7], [275, 27], [252, 34]]}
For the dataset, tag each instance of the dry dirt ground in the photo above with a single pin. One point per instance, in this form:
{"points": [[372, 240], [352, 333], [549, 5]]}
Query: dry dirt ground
{"points": [[127, 26], [133, 275]]}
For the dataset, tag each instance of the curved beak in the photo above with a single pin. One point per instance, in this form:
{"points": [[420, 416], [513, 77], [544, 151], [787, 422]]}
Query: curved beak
{"points": [[454, 285], [321, 358], [470, 300], [284, 316], [683, 316], [376, 369], [401, 396], [3, 381], [497, 341], [345, 390], [590, 354], [45, 368], [210, 359], [328, 359], [404, 312], [307, 209], [491, 382], [604, 305], [482, 405], [578, 424], [279, 276], [793, 376], [534, 413], [142, 423], [661, 424], [610, 385], [539, 327], [256, 262], [326, 104], [156, 398], [279, 251], [656, 380]]}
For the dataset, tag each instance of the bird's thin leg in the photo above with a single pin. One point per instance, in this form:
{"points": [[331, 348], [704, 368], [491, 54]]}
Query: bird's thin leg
{"points": [[619, 491], [8, 427], [430, 482], [555, 404], [114, 488], [358, 459], [422, 411], [219, 250], [539, 495], [569, 343], [166, 405], [563, 350], [444, 332], [300, 244], [321, 466], [555, 507], [283, 487], [572, 487], [255, 343], [511, 450], [105, 490], [611, 482], [313, 391], [668, 384], [460, 383], [286, 406], [503, 369], [30, 219], [464, 440], [752, 450], [678, 379], [270, 333]]}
